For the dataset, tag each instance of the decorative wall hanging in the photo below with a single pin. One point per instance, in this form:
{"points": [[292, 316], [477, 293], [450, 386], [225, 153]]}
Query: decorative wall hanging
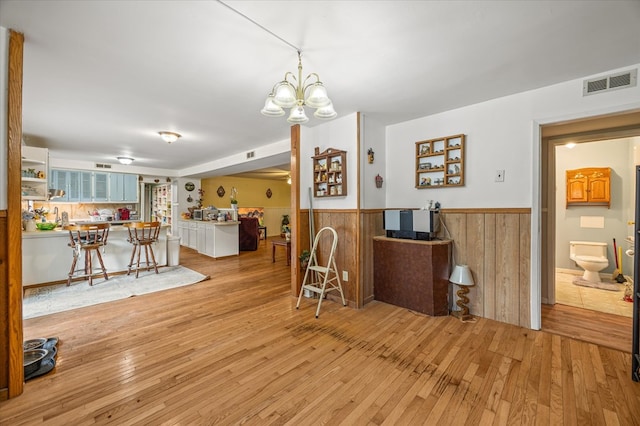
{"points": [[379, 181], [189, 186], [220, 191], [370, 155], [189, 199], [269, 193]]}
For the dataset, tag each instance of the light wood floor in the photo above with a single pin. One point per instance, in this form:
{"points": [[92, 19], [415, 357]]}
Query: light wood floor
{"points": [[235, 350]]}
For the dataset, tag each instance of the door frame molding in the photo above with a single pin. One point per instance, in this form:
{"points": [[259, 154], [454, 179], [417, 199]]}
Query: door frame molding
{"points": [[613, 123]]}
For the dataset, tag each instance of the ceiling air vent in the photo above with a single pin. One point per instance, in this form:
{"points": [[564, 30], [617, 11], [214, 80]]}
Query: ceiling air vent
{"points": [[610, 82], [103, 166], [251, 154]]}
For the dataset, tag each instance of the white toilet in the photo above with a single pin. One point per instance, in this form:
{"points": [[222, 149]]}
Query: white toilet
{"points": [[590, 256]]}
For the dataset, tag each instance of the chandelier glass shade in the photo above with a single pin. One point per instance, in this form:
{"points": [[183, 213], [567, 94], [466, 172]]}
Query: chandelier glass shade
{"points": [[296, 93]]}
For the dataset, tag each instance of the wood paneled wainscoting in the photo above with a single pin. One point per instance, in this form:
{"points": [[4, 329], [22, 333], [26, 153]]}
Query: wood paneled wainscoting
{"points": [[495, 243], [345, 224], [354, 253]]}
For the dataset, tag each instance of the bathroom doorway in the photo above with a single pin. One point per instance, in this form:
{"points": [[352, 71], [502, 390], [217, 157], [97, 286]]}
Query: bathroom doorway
{"points": [[587, 131], [596, 224]]}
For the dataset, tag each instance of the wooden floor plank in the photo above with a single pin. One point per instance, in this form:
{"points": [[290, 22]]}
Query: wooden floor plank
{"points": [[234, 350]]}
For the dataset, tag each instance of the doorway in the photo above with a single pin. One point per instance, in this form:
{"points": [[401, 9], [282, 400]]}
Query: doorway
{"points": [[598, 224], [588, 130]]}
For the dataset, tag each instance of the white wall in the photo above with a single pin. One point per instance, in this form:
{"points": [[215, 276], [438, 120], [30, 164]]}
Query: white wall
{"points": [[342, 134], [610, 153], [372, 136], [500, 135]]}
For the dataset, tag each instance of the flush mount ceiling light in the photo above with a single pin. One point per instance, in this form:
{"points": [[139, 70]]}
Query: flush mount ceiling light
{"points": [[169, 137], [296, 93], [125, 160]]}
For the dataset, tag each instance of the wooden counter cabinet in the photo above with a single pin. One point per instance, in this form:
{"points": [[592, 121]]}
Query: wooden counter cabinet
{"points": [[412, 274]]}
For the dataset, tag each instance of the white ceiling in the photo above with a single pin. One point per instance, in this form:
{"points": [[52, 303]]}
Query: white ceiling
{"points": [[101, 78]]}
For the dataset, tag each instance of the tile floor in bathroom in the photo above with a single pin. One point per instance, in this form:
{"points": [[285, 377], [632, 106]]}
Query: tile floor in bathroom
{"points": [[594, 299]]}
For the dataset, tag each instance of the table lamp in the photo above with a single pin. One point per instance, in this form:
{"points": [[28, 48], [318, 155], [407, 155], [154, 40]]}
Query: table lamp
{"points": [[462, 277]]}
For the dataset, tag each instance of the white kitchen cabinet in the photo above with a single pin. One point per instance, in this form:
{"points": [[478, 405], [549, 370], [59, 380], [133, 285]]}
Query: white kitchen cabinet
{"points": [[193, 235], [35, 171], [202, 237], [210, 239], [215, 239], [183, 232], [225, 239], [221, 239]]}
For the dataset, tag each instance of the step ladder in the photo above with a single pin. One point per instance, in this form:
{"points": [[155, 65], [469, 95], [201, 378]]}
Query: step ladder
{"points": [[322, 279]]}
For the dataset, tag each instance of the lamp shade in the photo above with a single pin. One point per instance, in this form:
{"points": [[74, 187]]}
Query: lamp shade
{"points": [[326, 112], [461, 275], [271, 109], [285, 95], [317, 96], [297, 115]]}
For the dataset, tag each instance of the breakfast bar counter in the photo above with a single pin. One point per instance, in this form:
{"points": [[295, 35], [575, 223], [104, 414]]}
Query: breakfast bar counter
{"points": [[47, 257]]}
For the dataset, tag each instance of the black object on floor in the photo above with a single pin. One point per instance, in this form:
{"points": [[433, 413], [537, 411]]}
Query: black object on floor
{"points": [[48, 362]]}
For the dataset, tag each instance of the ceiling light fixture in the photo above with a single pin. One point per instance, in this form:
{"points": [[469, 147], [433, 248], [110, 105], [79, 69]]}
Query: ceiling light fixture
{"points": [[169, 137], [296, 93], [125, 160], [292, 92]]}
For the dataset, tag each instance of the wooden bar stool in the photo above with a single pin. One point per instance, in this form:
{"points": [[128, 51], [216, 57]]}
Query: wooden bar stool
{"points": [[143, 234], [87, 239]]}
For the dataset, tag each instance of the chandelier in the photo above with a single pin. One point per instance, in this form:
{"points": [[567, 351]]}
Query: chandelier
{"points": [[296, 93]]}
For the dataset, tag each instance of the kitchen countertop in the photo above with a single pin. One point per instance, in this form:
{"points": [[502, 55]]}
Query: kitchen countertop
{"points": [[213, 222], [61, 232]]}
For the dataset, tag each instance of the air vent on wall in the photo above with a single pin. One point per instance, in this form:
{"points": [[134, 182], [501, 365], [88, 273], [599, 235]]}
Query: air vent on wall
{"points": [[103, 166], [610, 82]]}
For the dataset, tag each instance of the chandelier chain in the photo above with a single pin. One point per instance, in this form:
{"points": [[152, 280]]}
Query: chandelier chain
{"points": [[262, 27]]}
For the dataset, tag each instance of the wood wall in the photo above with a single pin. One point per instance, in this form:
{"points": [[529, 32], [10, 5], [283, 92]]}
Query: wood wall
{"points": [[345, 224], [495, 243], [11, 352]]}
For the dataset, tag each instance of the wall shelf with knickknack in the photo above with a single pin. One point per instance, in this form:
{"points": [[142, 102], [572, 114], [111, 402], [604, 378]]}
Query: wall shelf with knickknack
{"points": [[440, 162], [35, 173], [329, 173]]}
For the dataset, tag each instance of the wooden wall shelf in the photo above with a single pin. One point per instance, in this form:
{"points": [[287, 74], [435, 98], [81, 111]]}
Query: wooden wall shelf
{"points": [[329, 173], [440, 162]]}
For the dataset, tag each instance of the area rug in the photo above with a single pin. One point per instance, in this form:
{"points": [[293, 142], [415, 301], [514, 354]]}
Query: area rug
{"points": [[58, 298], [603, 285]]}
